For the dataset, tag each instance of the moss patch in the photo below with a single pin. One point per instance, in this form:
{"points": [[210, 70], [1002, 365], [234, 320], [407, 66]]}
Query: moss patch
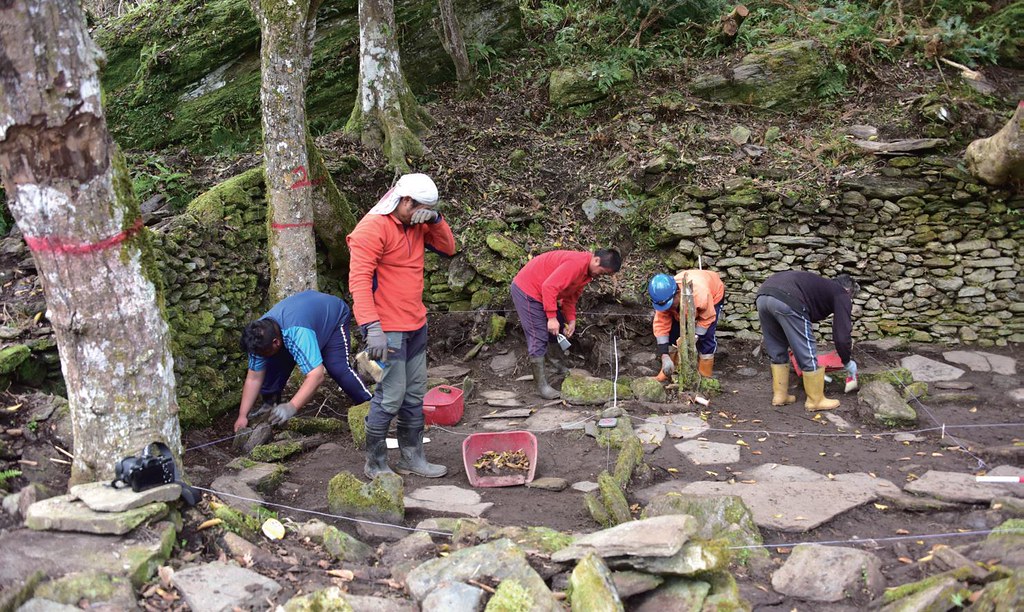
{"points": [[510, 597], [381, 498], [314, 425], [276, 451], [357, 423]]}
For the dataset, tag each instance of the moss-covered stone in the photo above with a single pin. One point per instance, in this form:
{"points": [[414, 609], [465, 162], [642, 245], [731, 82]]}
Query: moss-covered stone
{"points": [[588, 83], [331, 598], [591, 587], [631, 456], [718, 516], [11, 357], [590, 390], [510, 597], [314, 425], [506, 248], [783, 73], [614, 500], [897, 377], [141, 563], [724, 595], [357, 423], [618, 436], [916, 390], [1006, 594], [344, 547], [496, 331], [543, 539], [382, 498], [238, 522], [647, 388], [275, 451], [94, 587]]}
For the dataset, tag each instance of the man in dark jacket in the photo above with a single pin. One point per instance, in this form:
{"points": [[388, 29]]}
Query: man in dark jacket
{"points": [[788, 303]]}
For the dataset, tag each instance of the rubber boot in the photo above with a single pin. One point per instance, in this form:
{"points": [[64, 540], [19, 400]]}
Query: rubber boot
{"points": [[410, 442], [814, 386], [376, 452], [706, 365], [554, 356], [780, 385], [543, 388]]}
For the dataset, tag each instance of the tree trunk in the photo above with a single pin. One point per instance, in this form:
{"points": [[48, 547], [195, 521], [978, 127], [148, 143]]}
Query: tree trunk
{"points": [[455, 45], [332, 214], [730, 24], [285, 56], [72, 198], [385, 115], [999, 159], [687, 337]]}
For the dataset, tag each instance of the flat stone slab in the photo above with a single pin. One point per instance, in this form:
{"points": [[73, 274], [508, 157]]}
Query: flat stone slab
{"points": [[102, 497], [64, 513], [551, 419], [980, 361], [651, 433], [681, 425], [222, 587], [955, 487], [829, 573], [549, 483], [448, 371], [586, 486], [1016, 396], [504, 364], [777, 472], [447, 498], [793, 507], [504, 403], [497, 394], [57, 553], [708, 453], [237, 493], [515, 413], [929, 370], [955, 385], [661, 536]]}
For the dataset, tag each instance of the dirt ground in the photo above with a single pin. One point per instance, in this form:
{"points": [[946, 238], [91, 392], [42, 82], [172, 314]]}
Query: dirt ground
{"points": [[742, 412]]}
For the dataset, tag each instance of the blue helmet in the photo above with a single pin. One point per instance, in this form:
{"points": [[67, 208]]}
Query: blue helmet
{"points": [[662, 289]]}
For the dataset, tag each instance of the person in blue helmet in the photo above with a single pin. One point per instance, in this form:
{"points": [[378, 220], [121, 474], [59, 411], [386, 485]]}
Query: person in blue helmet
{"points": [[708, 297]]}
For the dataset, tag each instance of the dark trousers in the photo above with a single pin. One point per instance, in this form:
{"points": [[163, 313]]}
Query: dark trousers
{"points": [[534, 322], [783, 329], [400, 391], [335, 354]]}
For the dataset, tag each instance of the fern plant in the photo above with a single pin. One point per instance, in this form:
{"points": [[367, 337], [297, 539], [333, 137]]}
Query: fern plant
{"points": [[6, 475]]}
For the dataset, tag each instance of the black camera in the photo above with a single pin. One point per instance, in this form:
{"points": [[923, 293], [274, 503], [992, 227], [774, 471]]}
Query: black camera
{"points": [[147, 471]]}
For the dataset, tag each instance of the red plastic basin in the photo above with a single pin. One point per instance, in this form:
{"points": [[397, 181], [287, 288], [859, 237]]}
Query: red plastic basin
{"points": [[831, 361], [443, 405], [479, 443]]}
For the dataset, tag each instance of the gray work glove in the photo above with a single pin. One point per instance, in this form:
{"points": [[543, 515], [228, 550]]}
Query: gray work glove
{"points": [[851, 367], [376, 342], [667, 365], [423, 215], [281, 413]]}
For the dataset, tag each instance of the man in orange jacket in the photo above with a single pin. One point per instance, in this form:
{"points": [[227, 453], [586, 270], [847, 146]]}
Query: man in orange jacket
{"points": [[708, 296], [386, 281], [545, 293]]}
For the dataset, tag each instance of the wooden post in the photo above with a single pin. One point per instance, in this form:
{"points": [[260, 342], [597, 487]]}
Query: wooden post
{"points": [[731, 23], [687, 336]]}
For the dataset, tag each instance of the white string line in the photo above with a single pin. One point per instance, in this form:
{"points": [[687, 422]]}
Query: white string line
{"points": [[885, 539], [981, 462], [318, 513]]}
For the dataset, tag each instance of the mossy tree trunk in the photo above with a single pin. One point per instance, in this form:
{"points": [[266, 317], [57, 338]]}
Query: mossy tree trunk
{"points": [[72, 198], [455, 45], [332, 213], [385, 115], [287, 28], [687, 337]]}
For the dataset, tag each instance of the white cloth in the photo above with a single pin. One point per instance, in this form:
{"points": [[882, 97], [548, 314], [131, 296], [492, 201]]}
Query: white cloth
{"points": [[419, 187]]}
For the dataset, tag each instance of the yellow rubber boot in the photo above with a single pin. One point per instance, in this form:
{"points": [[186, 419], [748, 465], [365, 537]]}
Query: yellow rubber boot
{"points": [[706, 366], [780, 385], [814, 385]]}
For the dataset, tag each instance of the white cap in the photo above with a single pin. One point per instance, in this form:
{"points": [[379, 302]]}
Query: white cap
{"points": [[419, 187]]}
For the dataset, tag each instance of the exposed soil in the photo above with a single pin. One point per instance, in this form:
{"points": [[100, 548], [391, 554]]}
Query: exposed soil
{"points": [[742, 412]]}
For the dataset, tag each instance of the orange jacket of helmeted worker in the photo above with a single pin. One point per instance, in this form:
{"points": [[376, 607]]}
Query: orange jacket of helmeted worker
{"points": [[708, 290], [386, 272]]}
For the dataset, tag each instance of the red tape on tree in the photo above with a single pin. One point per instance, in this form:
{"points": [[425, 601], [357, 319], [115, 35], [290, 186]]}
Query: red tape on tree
{"points": [[67, 246]]}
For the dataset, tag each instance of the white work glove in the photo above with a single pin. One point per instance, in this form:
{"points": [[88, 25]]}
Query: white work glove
{"points": [[423, 215], [376, 342], [667, 365], [281, 413], [851, 368]]}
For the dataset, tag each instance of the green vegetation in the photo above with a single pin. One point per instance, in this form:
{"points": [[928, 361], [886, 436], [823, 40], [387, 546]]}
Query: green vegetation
{"points": [[510, 597], [6, 475]]}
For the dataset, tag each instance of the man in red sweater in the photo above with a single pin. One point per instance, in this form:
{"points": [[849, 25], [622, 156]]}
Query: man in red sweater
{"points": [[545, 293], [386, 281]]}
